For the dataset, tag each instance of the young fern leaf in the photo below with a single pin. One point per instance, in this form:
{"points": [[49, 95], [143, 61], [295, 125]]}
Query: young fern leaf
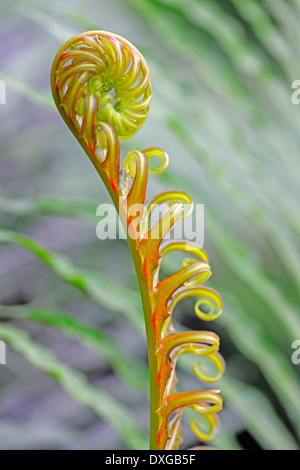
{"points": [[101, 86]]}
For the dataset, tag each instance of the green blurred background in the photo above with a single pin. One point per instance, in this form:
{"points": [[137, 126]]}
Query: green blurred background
{"points": [[70, 312]]}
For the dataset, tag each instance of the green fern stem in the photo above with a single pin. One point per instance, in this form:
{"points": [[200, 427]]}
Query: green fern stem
{"points": [[85, 72]]}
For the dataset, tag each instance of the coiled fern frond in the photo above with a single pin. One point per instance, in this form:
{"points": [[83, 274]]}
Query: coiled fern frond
{"points": [[102, 88]]}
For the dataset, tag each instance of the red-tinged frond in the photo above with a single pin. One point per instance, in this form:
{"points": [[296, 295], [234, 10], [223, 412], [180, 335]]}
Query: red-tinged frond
{"points": [[206, 403], [101, 86]]}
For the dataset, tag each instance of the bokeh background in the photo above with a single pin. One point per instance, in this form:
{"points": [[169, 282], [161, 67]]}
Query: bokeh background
{"points": [[70, 311]]}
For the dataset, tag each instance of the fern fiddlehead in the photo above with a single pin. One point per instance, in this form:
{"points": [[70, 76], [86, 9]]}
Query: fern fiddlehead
{"points": [[101, 86]]}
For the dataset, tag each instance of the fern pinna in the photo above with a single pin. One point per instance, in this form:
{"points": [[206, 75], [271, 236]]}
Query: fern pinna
{"points": [[101, 86]]}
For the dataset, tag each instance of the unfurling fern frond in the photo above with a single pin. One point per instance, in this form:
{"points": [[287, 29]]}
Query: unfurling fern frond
{"points": [[101, 86]]}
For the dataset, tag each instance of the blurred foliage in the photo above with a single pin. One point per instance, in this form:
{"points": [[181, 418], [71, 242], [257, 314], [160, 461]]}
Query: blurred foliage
{"points": [[222, 109]]}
